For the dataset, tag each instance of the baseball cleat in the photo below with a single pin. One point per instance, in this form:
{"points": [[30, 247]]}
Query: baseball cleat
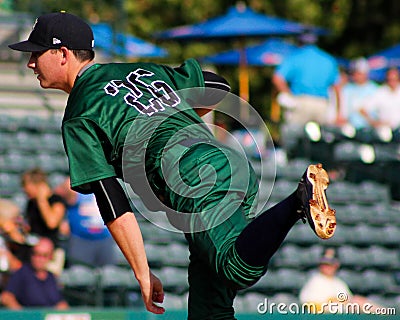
{"points": [[314, 205]]}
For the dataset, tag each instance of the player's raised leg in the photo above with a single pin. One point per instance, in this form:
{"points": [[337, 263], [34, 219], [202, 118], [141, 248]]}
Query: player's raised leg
{"points": [[259, 241]]}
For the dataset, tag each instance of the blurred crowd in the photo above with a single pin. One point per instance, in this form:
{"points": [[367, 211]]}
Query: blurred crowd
{"points": [[57, 229], [312, 86]]}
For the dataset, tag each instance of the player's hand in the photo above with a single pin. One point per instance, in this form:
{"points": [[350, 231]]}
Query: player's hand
{"points": [[153, 293]]}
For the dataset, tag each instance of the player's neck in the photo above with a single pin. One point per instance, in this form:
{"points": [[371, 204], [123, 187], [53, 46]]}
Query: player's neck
{"points": [[75, 71]]}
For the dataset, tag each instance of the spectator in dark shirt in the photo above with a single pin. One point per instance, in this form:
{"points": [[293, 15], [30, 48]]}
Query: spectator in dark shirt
{"points": [[44, 212], [33, 285]]}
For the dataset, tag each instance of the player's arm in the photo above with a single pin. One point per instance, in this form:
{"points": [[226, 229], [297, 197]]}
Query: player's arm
{"points": [[117, 214], [212, 97]]}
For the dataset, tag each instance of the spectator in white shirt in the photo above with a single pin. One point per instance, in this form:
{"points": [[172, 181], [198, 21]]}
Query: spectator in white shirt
{"points": [[325, 288], [382, 108]]}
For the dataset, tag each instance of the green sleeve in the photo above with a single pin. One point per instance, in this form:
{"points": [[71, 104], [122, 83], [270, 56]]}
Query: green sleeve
{"points": [[88, 152]]}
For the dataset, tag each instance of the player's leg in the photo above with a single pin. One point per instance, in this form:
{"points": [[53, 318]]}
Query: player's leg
{"points": [[263, 236], [240, 251], [218, 218], [237, 249], [209, 297]]}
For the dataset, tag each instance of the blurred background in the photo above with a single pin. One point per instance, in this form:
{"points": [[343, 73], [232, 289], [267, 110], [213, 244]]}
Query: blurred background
{"points": [[364, 165]]}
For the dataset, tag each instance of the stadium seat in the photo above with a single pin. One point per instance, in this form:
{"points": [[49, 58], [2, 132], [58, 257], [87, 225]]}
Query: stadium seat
{"points": [[342, 192], [52, 142], [288, 280], [173, 302], [391, 235], [282, 188], [370, 192], [80, 285], [52, 162], [293, 170], [115, 282], [347, 151], [9, 123], [374, 213], [7, 140], [286, 298], [26, 141], [176, 254], [156, 254], [9, 184], [389, 214], [363, 234], [377, 282], [383, 258], [353, 257], [240, 304], [174, 279], [266, 283], [301, 234], [251, 300], [354, 279], [53, 123], [291, 256], [16, 161]]}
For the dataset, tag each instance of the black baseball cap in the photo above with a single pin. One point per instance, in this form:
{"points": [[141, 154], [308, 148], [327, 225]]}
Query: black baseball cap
{"points": [[56, 30]]}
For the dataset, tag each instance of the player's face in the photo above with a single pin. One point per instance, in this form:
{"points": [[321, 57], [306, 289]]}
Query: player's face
{"points": [[47, 65]]}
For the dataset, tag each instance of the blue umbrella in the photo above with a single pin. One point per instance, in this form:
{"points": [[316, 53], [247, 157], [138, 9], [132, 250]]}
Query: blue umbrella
{"points": [[135, 47], [239, 21], [268, 53], [123, 44], [383, 60]]}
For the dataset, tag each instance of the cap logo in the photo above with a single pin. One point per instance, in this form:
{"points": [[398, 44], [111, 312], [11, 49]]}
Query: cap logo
{"points": [[56, 41]]}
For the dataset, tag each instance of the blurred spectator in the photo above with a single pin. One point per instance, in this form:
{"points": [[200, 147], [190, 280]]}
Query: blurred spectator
{"points": [[13, 230], [305, 78], [356, 92], [44, 212], [382, 108], [303, 81], [14, 241], [334, 117], [90, 242], [325, 287], [33, 285]]}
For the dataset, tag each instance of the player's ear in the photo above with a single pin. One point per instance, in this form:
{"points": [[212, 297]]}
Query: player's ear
{"points": [[65, 54]]}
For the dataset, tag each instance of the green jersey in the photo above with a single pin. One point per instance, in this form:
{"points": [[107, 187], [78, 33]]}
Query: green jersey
{"points": [[110, 101], [135, 121]]}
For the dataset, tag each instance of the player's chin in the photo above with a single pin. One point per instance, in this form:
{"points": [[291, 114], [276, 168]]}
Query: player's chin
{"points": [[43, 84], [46, 85]]}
